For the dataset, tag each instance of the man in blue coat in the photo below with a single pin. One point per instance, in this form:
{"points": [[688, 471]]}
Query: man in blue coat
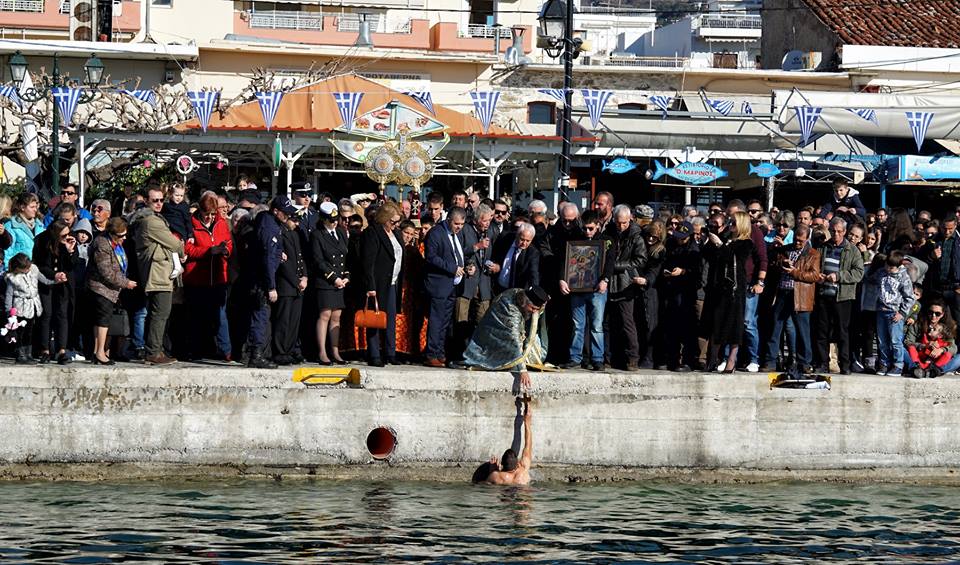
{"points": [[268, 254], [445, 267]]}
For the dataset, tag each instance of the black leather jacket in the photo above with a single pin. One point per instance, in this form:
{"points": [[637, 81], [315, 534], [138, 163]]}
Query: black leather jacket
{"points": [[630, 253]]}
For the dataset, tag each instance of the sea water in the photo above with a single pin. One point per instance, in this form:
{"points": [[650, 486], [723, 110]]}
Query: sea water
{"points": [[390, 522]]}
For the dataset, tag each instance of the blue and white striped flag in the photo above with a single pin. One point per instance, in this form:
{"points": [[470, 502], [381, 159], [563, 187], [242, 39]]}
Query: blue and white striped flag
{"points": [[347, 103], [596, 100], [746, 108], [555, 93], [148, 96], [269, 104], [485, 103], [919, 122], [868, 114], [662, 102], [423, 97], [66, 99], [11, 93], [203, 103], [807, 117], [722, 106]]}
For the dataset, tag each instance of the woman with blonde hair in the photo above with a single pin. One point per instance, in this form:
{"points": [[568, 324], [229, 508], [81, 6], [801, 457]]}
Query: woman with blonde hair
{"points": [[727, 249], [6, 211]]}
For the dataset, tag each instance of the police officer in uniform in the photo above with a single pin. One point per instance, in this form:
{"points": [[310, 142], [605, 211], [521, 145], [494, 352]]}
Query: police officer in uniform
{"points": [[267, 255], [291, 283], [330, 278], [303, 197]]}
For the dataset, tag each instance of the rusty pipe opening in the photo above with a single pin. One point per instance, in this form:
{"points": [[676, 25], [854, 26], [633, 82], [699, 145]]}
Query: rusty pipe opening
{"points": [[381, 442]]}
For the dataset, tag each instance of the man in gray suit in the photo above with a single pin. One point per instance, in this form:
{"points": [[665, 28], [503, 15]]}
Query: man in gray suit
{"points": [[474, 295]]}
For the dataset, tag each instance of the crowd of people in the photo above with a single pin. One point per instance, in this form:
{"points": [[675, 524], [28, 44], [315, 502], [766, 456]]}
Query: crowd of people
{"points": [[154, 276]]}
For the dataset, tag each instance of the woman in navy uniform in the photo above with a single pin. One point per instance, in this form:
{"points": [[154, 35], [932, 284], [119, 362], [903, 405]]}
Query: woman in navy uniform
{"points": [[329, 256]]}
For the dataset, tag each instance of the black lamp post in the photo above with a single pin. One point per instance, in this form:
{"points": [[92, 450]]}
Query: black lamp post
{"points": [[556, 37], [93, 76]]}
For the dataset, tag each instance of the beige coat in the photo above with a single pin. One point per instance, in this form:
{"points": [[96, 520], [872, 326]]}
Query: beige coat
{"points": [[155, 248]]}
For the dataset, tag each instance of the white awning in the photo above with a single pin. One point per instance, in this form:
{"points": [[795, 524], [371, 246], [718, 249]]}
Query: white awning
{"points": [[891, 119]]}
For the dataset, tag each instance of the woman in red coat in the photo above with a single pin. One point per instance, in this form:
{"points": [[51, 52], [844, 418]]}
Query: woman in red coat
{"points": [[205, 279]]}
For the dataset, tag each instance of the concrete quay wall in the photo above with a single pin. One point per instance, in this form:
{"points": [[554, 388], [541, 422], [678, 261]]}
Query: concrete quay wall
{"points": [[195, 416]]}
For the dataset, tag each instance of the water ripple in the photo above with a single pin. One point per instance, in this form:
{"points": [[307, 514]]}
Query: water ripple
{"points": [[348, 522]]}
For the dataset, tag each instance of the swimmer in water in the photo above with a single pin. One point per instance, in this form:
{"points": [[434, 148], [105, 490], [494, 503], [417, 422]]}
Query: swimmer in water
{"points": [[509, 470]]}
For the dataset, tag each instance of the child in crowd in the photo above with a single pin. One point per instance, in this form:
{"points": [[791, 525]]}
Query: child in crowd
{"points": [[894, 301], [23, 279], [177, 213], [931, 341]]}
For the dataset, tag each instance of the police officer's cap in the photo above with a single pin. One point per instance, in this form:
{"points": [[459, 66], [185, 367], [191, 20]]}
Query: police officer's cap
{"points": [[301, 187]]}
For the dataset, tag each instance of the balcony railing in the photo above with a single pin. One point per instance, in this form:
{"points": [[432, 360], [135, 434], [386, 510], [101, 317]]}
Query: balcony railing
{"points": [[746, 21], [614, 10], [485, 32], [287, 20], [661, 62], [378, 24], [21, 5]]}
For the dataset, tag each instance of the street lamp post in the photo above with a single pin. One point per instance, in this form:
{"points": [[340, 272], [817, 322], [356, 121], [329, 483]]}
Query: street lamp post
{"points": [[93, 75], [556, 37]]}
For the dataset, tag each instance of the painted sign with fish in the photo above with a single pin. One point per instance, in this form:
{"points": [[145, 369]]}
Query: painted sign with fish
{"points": [[692, 173], [619, 166], [765, 170]]}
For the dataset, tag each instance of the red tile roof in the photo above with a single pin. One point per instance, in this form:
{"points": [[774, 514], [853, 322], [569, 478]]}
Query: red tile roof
{"points": [[903, 23]]}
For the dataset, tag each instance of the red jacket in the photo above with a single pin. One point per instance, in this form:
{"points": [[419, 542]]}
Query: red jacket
{"points": [[203, 268]]}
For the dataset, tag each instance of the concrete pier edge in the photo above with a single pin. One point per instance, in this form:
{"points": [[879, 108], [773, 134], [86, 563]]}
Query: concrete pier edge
{"points": [[131, 422]]}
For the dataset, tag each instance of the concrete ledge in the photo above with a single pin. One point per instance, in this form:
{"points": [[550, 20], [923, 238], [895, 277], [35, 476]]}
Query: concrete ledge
{"points": [[83, 421]]}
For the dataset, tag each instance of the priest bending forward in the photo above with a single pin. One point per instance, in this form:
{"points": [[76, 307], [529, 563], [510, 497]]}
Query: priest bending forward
{"points": [[506, 338]]}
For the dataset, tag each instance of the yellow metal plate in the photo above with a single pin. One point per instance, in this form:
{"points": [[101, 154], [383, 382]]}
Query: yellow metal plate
{"points": [[326, 375]]}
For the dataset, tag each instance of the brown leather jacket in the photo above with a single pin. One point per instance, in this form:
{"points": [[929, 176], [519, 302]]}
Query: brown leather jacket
{"points": [[805, 278]]}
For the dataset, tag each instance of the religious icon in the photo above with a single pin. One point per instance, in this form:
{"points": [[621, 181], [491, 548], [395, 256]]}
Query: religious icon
{"points": [[583, 265]]}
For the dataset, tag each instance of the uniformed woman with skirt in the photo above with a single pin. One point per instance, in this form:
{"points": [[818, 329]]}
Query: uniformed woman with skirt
{"points": [[329, 256]]}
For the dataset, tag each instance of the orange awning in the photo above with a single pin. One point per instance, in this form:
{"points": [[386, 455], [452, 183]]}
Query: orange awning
{"points": [[312, 109]]}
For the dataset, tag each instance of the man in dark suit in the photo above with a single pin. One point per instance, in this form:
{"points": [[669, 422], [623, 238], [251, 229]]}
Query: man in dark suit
{"points": [[445, 269], [516, 263]]}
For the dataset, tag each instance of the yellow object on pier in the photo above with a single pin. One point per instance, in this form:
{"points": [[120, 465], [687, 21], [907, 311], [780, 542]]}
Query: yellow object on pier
{"points": [[327, 375]]}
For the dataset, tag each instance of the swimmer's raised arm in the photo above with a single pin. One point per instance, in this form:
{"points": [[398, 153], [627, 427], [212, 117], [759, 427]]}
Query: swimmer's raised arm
{"points": [[526, 459]]}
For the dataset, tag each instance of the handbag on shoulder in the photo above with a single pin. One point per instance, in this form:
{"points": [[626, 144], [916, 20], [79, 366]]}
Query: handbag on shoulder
{"points": [[375, 319]]}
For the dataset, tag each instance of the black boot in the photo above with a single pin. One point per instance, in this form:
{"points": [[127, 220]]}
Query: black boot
{"points": [[934, 372], [258, 361], [23, 356]]}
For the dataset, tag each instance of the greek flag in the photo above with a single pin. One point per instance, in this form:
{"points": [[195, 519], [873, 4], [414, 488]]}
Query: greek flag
{"points": [[746, 108], [919, 122], [555, 93], [347, 103], [203, 103], [807, 117], [722, 106], [423, 97], [596, 100], [485, 103], [11, 93], [269, 104], [148, 96], [662, 102], [67, 99], [867, 114]]}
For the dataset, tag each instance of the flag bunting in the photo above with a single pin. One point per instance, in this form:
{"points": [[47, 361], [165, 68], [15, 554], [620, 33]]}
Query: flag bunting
{"points": [[66, 99], [722, 106], [662, 102], [555, 93], [596, 100], [269, 104], [485, 103], [919, 122], [746, 108], [347, 103], [11, 93], [148, 96], [203, 103], [423, 97], [807, 116], [868, 114]]}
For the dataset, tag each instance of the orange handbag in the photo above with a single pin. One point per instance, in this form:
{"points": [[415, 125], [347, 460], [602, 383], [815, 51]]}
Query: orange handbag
{"points": [[375, 319]]}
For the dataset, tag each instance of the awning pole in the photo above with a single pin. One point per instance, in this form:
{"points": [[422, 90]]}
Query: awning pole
{"points": [[883, 195]]}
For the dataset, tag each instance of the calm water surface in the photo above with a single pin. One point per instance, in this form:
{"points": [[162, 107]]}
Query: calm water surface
{"points": [[333, 522]]}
